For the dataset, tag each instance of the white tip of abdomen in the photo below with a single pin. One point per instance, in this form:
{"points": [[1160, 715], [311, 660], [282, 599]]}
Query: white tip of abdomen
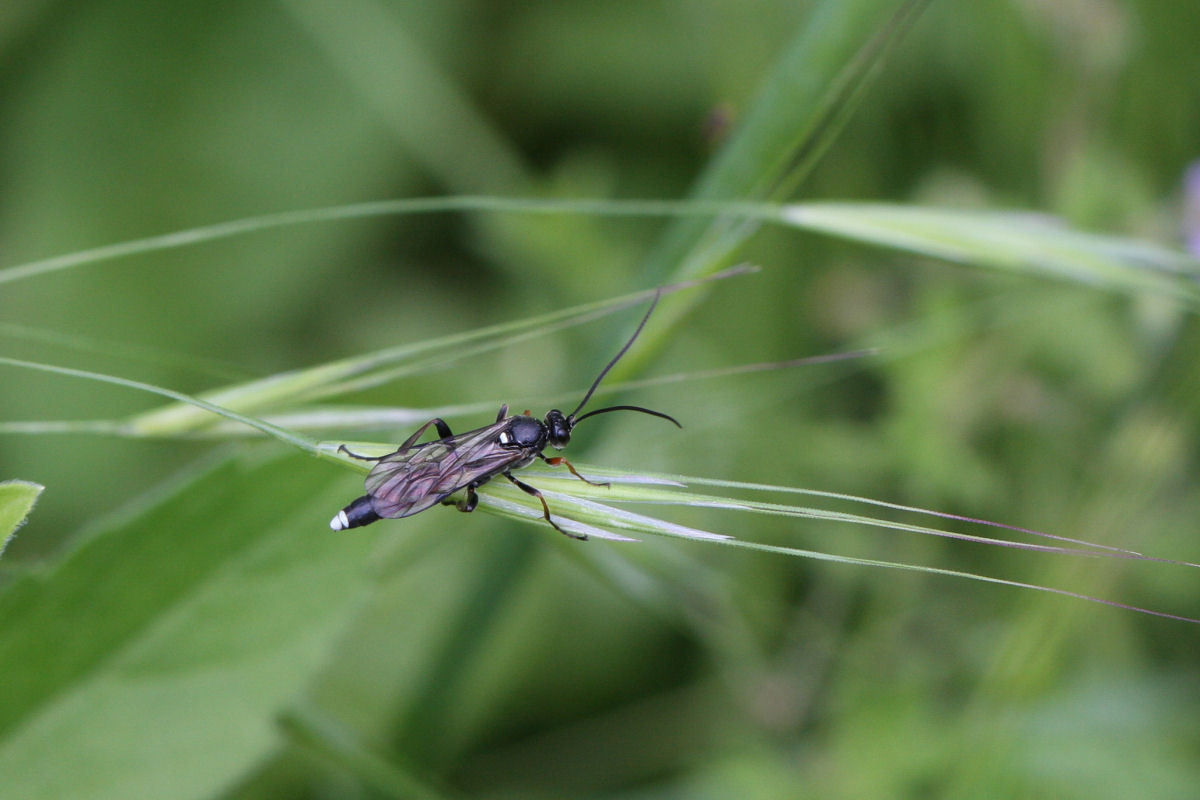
{"points": [[340, 522]]}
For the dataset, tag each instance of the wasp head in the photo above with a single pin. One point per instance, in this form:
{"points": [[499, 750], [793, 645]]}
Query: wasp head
{"points": [[558, 428]]}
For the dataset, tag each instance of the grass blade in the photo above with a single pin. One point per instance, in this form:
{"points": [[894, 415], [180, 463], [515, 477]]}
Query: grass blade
{"points": [[572, 505], [1031, 244], [799, 109], [371, 369]]}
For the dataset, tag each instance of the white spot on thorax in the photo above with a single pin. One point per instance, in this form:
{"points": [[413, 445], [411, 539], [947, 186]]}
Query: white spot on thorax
{"points": [[504, 437]]}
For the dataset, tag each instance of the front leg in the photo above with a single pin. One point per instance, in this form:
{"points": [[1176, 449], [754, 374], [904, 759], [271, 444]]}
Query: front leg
{"points": [[554, 462]]}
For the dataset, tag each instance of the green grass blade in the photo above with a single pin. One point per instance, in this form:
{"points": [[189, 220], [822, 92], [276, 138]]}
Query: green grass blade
{"points": [[245, 226], [799, 109], [203, 405], [137, 353], [574, 509], [671, 490], [1023, 243], [1012, 241], [360, 417], [383, 365], [691, 480]]}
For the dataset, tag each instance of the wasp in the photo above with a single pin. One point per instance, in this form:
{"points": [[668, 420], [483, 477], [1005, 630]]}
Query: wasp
{"points": [[420, 476]]}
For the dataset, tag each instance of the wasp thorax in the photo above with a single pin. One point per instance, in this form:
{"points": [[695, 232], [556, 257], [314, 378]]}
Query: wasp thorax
{"points": [[527, 432], [558, 428]]}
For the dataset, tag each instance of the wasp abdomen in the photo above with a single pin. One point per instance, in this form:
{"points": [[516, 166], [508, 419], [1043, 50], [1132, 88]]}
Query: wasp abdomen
{"points": [[355, 515]]}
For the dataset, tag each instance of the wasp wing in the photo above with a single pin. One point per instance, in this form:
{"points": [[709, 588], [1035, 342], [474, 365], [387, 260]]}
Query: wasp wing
{"points": [[416, 478]]}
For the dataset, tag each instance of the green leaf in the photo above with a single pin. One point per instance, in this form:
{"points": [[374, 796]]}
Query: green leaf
{"points": [[17, 499], [153, 659]]}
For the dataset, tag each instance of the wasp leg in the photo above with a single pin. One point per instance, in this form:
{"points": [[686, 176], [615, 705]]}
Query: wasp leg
{"points": [[443, 430], [502, 413], [527, 489], [468, 505], [554, 462], [349, 452]]}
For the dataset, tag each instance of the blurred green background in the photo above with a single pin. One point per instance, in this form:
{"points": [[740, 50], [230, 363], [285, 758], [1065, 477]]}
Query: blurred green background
{"points": [[468, 656]]}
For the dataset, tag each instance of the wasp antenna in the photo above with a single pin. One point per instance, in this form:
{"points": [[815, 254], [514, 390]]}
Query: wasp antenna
{"points": [[649, 411], [571, 418]]}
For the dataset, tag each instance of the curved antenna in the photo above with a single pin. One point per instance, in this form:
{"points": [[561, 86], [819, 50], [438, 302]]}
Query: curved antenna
{"points": [[571, 419], [649, 411]]}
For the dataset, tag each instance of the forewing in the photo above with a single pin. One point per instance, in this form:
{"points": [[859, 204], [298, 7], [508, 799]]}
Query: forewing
{"points": [[410, 481]]}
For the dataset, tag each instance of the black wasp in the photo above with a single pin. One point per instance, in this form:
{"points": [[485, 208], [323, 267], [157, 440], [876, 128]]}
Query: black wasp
{"points": [[419, 476]]}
